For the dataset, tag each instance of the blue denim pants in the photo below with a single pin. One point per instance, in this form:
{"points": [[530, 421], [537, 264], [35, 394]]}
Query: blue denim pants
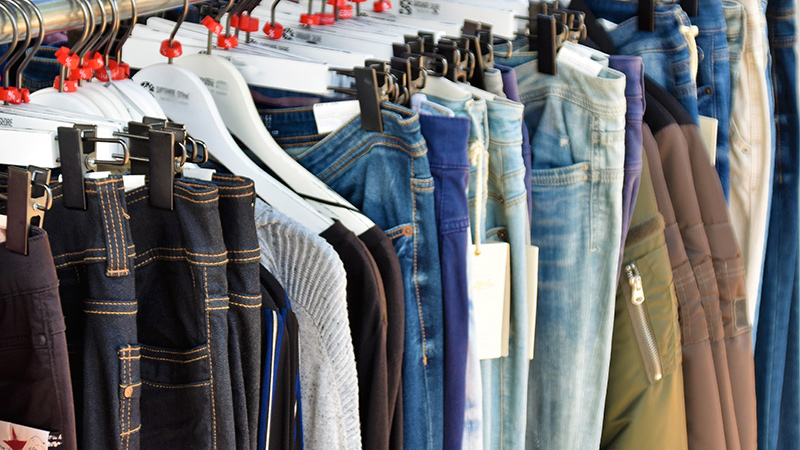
{"points": [[93, 253], [735, 29], [633, 68], [447, 138], [577, 131], [777, 345], [182, 292], [714, 79], [387, 176], [665, 52]]}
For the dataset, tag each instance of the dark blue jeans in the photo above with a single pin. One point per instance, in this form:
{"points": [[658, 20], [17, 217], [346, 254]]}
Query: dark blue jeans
{"points": [[777, 344], [182, 292], [446, 138], [93, 253], [387, 176], [714, 79]]}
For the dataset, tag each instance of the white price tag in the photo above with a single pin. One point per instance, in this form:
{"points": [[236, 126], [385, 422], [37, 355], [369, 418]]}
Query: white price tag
{"points": [[491, 295], [331, 116], [132, 182], [192, 170], [708, 129]]}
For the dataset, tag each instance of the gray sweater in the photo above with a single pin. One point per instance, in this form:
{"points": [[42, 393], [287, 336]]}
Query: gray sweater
{"points": [[315, 281]]}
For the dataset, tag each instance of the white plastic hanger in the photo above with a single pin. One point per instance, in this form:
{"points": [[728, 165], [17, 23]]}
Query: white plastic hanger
{"points": [[185, 98]]}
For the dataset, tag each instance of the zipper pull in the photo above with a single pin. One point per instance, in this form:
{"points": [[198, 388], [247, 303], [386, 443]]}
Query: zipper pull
{"points": [[635, 280]]}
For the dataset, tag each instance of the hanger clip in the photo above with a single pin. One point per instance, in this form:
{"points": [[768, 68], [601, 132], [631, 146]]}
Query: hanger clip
{"points": [[647, 15], [690, 6], [28, 198]]}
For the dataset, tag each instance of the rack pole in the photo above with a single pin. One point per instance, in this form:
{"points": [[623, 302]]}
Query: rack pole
{"points": [[63, 15]]}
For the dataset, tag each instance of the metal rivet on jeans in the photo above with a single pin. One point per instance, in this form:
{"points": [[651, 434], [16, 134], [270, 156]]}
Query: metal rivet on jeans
{"points": [[407, 231], [502, 234], [709, 90], [129, 392], [501, 199], [745, 150], [41, 339]]}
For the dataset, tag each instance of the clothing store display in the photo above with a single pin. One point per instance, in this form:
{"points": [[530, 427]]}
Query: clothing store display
{"points": [[439, 225]]}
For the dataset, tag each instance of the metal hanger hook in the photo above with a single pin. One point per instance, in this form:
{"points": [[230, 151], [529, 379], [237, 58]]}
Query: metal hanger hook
{"points": [[36, 45], [14, 32], [19, 52]]}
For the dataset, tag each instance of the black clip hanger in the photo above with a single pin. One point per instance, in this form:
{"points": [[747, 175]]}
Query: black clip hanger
{"points": [[647, 15], [433, 63], [690, 6], [546, 44], [370, 92], [198, 157], [415, 77], [27, 199], [78, 155], [459, 64]]}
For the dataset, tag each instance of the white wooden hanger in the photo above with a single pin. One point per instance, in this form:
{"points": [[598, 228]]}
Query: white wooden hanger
{"points": [[185, 99]]}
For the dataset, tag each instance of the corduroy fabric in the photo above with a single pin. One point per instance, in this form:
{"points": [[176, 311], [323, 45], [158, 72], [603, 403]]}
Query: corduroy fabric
{"points": [[314, 278]]}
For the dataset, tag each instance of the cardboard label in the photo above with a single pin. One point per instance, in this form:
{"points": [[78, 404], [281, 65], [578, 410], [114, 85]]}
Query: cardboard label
{"points": [[708, 130], [581, 62], [490, 287], [533, 294], [19, 437], [192, 170], [132, 182], [333, 115]]}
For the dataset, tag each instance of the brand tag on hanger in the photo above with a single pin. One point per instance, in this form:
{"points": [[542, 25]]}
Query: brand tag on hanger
{"points": [[331, 116], [533, 294], [3, 225], [192, 170], [708, 129], [491, 295], [13, 436]]}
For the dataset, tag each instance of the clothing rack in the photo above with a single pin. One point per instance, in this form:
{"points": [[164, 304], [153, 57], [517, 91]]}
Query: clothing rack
{"points": [[63, 15]]}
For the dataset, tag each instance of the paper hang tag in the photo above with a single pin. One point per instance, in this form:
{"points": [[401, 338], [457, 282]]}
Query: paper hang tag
{"points": [[132, 182], [192, 170], [533, 294], [331, 116], [490, 288], [20, 437], [708, 130], [3, 226], [578, 61]]}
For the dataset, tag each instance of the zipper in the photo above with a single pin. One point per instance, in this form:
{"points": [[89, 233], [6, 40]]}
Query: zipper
{"points": [[641, 324]]}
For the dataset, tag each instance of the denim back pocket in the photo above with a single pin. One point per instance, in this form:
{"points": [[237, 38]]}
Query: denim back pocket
{"points": [[177, 398]]}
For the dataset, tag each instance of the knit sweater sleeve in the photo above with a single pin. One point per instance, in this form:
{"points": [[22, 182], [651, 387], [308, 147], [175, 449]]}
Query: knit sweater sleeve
{"points": [[315, 281]]}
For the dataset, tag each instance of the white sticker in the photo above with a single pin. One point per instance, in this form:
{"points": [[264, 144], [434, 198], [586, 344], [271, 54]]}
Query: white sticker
{"points": [[19, 437], [533, 294], [96, 175], [192, 170], [132, 182], [708, 129], [331, 116], [607, 24], [3, 225], [581, 62], [491, 294]]}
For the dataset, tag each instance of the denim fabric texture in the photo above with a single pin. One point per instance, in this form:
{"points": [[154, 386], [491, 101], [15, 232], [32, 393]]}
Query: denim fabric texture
{"points": [[446, 138], [475, 111], [778, 390], [95, 268], [387, 176], [633, 68], [735, 32], [35, 377], [182, 292], [714, 79], [577, 130], [236, 205], [512, 93], [665, 52]]}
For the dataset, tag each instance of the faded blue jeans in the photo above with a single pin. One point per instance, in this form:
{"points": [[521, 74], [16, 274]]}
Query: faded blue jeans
{"points": [[577, 131]]}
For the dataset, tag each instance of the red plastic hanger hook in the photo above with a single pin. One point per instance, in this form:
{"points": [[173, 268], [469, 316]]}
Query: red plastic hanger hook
{"points": [[326, 18], [173, 50], [69, 85], [66, 58], [11, 95], [81, 73], [226, 42], [382, 5], [346, 12], [244, 23], [212, 25], [273, 31], [309, 19], [93, 62]]}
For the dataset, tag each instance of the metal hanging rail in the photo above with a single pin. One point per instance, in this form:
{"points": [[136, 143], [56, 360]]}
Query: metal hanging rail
{"points": [[63, 15]]}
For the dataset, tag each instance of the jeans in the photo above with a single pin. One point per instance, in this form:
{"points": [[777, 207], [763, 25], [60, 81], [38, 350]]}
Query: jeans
{"points": [[577, 130], [387, 176], [714, 79], [446, 138], [34, 378], [735, 32], [182, 292], [475, 111], [666, 52], [633, 69], [94, 264], [236, 206], [751, 153], [512, 92], [776, 364]]}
